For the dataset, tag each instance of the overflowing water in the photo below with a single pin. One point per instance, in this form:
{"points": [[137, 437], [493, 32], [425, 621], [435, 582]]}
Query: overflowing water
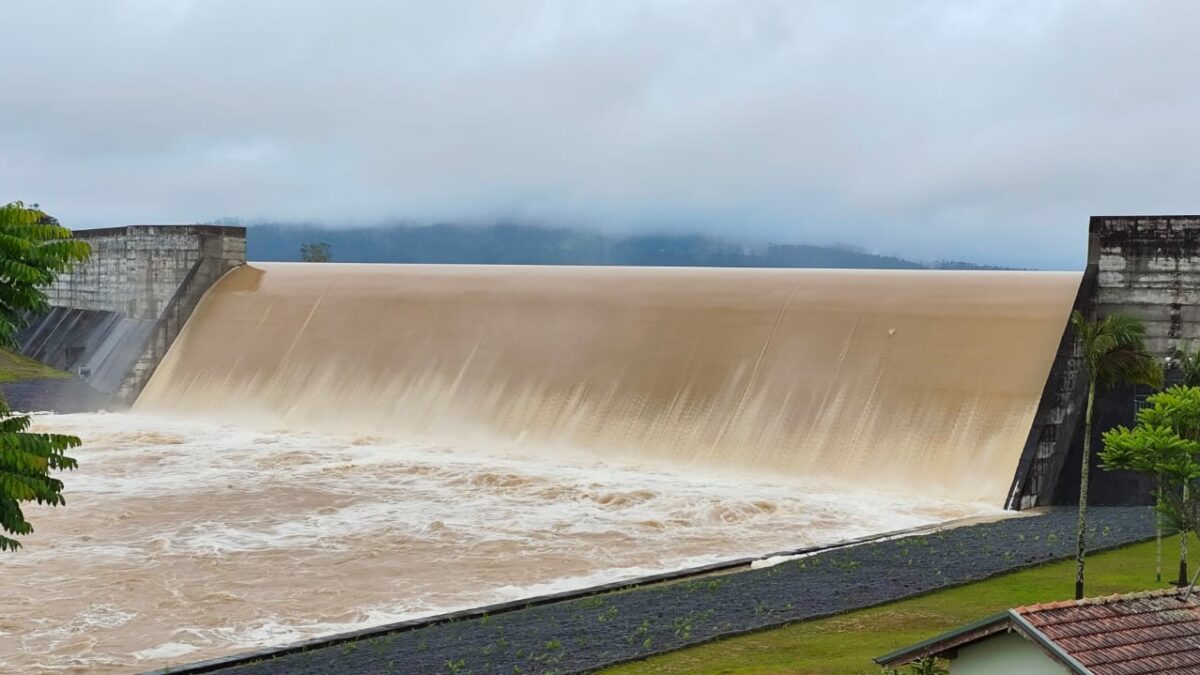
{"points": [[925, 382], [328, 447], [184, 540]]}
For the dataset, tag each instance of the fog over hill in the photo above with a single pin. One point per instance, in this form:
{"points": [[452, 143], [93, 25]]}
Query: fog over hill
{"points": [[534, 245]]}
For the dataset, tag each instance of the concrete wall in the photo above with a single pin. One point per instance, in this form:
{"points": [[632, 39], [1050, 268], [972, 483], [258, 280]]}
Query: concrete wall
{"points": [[1059, 413], [115, 316], [1143, 266], [1149, 267], [100, 346], [1004, 654]]}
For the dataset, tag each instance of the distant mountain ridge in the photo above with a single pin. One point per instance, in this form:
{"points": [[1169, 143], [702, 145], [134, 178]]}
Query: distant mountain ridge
{"points": [[533, 245]]}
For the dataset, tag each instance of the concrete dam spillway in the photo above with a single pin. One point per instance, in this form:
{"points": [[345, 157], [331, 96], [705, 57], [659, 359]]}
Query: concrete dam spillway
{"points": [[917, 382], [326, 448], [329, 447]]}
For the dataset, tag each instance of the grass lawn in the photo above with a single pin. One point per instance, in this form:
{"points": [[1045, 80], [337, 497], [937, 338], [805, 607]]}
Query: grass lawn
{"points": [[847, 643], [14, 367]]}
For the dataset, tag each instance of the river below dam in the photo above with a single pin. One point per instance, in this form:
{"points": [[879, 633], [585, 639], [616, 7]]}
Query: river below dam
{"points": [[184, 540]]}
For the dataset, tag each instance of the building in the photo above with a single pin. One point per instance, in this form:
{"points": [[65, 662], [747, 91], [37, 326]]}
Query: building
{"points": [[1148, 632]]}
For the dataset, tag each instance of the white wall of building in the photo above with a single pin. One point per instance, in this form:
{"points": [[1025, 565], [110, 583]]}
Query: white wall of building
{"points": [[1004, 654]]}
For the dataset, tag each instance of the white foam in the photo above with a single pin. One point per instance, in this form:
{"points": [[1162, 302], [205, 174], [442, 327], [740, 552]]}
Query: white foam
{"points": [[184, 540], [167, 650]]}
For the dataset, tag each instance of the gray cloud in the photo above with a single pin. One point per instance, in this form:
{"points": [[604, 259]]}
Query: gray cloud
{"points": [[987, 131]]}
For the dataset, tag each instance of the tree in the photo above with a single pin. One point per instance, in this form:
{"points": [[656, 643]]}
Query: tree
{"points": [[1114, 352], [1178, 408], [1163, 445], [316, 252], [34, 250], [1188, 361]]}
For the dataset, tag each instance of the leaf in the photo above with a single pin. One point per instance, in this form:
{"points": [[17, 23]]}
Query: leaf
{"points": [[34, 249]]}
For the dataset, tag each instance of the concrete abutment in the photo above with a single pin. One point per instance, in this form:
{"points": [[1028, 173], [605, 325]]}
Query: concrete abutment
{"points": [[1147, 267], [113, 318]]}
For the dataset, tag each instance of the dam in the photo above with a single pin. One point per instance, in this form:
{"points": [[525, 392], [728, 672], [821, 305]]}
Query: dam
{"points": [[886, 379], [316, 448]]}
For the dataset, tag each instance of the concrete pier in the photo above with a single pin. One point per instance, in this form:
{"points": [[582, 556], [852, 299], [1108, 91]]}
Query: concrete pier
{"points": [[1147, 267], [113, 318]]}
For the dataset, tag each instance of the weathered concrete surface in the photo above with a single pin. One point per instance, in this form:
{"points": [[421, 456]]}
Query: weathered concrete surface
{"points": [[1142, 266], [1149, 267], [100, 346], [115, 316], [1059, 411]]}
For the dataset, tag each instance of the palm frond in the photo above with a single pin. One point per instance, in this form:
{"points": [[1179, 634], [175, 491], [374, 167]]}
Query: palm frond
{"points": [[1114, 350]]}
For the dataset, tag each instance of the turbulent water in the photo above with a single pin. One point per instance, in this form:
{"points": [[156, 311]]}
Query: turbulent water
{"points": [[184, 540], [914, 381], [331, 446]]}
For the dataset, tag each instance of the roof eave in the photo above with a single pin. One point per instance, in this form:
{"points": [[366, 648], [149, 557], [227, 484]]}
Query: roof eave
{"points": [[953, 639], [979, 630]]}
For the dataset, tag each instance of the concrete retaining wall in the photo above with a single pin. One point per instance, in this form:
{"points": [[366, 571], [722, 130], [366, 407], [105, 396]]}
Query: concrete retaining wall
{"points": [[1143, 266], [114, 317], [1059, 413], [1149, 267]]}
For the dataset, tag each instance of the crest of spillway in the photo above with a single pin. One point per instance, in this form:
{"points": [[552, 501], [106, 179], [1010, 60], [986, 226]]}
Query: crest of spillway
{"points": [[917, 381]]}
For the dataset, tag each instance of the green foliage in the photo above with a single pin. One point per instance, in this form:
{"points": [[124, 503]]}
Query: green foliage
{"points": [[1144, 449], [34, 250], [1165, 444], [26, 460], [15, 367], [1114, 351], [1177, 408], [926, 666], [316, 252], [1188, 361]]}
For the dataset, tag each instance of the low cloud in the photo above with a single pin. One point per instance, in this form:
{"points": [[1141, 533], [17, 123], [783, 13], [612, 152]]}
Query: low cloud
{"points": [[985, 131]]}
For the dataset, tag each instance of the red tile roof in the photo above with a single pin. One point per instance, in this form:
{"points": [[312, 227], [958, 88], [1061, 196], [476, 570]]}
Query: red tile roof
{"points": [[1149, 633], [1140, 633]]}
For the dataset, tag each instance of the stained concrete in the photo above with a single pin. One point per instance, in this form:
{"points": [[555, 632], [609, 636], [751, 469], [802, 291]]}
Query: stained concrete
{"points": [[1149, 267], [113, 318], [100, 346], [1142, 266]]}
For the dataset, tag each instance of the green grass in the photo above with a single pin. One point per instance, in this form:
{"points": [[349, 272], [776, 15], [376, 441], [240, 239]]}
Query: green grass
{"points": [[845, 644], [14, 367]]}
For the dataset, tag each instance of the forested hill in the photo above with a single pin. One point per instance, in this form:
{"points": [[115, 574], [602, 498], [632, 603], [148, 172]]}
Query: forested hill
{"points": [[526, 245]]}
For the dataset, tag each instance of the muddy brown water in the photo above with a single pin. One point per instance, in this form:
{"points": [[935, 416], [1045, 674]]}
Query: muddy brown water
{"points": [[893, 379], [334, 446]]}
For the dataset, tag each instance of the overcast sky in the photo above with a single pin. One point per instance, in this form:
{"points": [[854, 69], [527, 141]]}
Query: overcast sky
{"points": [[970, 130]]}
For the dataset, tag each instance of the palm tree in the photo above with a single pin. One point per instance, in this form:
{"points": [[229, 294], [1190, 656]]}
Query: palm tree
{"points": [[1188, 361], [1114, 352]]}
